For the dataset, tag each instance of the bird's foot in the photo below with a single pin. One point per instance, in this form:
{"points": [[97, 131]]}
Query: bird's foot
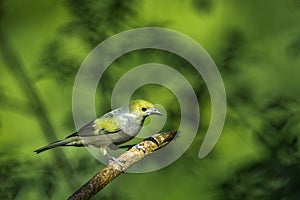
{"points": [[112, 160], [140, 147]]}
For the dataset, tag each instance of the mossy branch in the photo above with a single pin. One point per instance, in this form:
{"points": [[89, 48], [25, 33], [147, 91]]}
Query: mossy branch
{"points": [[114, 169]]}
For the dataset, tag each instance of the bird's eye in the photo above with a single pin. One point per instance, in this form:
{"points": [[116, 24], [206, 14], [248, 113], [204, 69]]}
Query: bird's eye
{"points": [[144, 109]]}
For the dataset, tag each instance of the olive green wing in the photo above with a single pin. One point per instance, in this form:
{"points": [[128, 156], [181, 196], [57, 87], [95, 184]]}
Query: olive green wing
{"points": [[100, 126]]}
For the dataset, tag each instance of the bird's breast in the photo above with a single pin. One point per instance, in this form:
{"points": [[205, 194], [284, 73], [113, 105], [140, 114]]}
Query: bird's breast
{"points": [[130, 125]]}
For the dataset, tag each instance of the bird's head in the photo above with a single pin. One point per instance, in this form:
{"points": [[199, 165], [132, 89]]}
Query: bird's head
{"points": [[143, 108]]}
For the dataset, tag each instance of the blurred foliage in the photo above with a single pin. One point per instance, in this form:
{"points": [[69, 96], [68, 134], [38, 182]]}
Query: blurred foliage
{"points": [[203, 5], [276, 175], [95, 20], [255, 44], [15, 173], [293, 49]]}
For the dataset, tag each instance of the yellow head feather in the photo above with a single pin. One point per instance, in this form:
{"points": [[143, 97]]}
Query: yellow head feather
{"points": [[139, 107]]}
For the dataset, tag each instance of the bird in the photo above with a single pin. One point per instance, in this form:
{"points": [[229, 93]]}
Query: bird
{"points": [[113, 128]]}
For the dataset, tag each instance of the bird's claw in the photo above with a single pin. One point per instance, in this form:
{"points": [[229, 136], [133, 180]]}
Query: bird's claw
{"points": [[120, 163], [140, 147]]}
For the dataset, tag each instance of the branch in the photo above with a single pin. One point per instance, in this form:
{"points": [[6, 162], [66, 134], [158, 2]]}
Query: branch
{"points": [[114, 169]]}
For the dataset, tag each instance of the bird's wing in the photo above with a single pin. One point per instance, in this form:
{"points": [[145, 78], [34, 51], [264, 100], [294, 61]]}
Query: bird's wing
{"points": [[104, 125]]}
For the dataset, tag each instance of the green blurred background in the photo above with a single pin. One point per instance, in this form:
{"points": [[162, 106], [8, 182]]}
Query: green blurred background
{"points": [[255, 44]]}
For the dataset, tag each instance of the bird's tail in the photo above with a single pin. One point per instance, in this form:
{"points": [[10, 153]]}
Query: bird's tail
{"points": [[65, 142]]}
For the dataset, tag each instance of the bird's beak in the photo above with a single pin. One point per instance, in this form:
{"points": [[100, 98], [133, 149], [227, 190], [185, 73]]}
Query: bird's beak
{"points": [[154, 111]]}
